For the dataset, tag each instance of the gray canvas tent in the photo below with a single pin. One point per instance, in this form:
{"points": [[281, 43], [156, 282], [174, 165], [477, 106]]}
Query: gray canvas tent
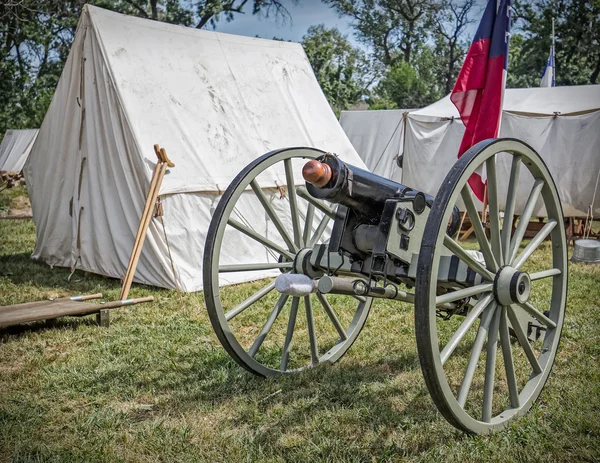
{"points": [[561, 123], [214, 101], [378, 137], [15, 148]]}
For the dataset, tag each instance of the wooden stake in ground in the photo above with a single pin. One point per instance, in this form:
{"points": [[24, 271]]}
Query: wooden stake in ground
{"points": [[157, 177]]}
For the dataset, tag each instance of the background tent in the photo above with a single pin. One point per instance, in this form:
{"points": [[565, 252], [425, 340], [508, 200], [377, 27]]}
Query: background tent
{"points": [[560, 123], [214, 101], [378, 137], [15, 148]]}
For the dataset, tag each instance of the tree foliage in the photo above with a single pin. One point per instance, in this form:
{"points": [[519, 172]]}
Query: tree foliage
{"points": [[391, 27], [420, 42], [408, 86], [411, 50], [343, 71], [577, 32]]}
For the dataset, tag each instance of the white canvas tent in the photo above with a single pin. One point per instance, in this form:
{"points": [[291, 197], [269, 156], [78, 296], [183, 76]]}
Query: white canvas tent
{"points": [[378, 137], [214, 101], [560, 123], [15, 148]]}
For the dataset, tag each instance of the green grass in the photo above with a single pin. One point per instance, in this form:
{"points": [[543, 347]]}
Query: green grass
{"points": [[157, 386]]}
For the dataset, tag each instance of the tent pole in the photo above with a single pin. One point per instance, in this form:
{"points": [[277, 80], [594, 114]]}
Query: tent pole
{"points": [[157, 177]]}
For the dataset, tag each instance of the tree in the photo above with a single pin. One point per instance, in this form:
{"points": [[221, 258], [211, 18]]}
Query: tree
{"points": [[420, 42], [393, 28], [343, 71], [407, 85], [577, 30], [450, 25]]}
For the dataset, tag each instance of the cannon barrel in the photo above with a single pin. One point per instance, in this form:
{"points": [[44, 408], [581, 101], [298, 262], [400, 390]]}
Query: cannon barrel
{"points": [[328, 177]]}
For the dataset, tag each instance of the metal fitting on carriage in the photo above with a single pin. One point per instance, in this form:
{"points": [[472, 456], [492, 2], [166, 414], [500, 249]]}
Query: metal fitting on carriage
{"points": [[295, 284]]}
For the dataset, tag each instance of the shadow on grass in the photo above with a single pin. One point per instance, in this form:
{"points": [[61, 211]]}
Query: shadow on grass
{"points": [[45, 325], [21, 269], [330, 400]]}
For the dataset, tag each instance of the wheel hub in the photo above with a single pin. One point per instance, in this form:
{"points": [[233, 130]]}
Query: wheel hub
{"points": [[302, 264], [512, 286]]}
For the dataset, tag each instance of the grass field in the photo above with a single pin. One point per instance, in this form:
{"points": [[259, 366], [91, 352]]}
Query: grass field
{"points": [[157, 386]]}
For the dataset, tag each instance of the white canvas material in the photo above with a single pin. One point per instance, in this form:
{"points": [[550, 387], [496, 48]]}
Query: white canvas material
{"points": [[378, 137], [214, 101], [560, 123], [15, 148]]}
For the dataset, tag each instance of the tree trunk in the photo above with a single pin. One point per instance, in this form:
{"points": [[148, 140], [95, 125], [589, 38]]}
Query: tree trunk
{"points": [[408, 48], [450, 71], [154, 9], [203, 21], [594, 76]]}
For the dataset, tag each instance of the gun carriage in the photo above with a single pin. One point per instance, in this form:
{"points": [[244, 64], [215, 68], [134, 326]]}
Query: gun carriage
{"points": [[487, 318]]}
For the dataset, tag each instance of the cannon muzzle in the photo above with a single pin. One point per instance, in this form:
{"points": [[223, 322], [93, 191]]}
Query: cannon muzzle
{"points": [[316, 173]]}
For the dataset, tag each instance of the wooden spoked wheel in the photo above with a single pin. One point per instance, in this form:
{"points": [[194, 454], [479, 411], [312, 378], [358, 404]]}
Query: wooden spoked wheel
{"points": [[483, 366], [264, 331]]}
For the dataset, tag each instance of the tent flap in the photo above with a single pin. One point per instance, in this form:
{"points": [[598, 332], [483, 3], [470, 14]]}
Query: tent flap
{"points": [[15, 148]]}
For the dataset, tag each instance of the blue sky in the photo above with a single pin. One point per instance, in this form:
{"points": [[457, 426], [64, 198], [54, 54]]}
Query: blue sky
{"points": [[305, 14]]}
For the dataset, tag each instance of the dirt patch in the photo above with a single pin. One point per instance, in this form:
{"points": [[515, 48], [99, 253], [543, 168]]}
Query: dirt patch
{"points": [[20, 208]]}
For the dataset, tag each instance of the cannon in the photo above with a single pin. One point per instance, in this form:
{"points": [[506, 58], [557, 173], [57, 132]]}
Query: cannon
{"points": [[488, 311]]}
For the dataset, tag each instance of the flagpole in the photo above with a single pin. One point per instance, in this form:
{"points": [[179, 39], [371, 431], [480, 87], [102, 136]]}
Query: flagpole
{"points": [[553, 56]]}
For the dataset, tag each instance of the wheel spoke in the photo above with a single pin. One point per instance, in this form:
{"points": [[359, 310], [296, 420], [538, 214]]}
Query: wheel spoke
{"points": [[545, 274], [462, 293], [251, 267], [289, 177], [251, 300], [467, 258], [312, 337], [509, 210], [523, 341], [484, 244], [464, 327], [319, 231], [490, 367], [524, 220], [332, 316], [273, 215], [494, 210], [535, 313], [324, 208], [534, 243], [463, 392], [261, 239], [289, 334], [509, 366], [310, 213], [268, 325]]}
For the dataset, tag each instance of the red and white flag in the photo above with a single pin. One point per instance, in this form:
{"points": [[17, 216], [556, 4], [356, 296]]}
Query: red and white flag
{"points": [[479, 89]]}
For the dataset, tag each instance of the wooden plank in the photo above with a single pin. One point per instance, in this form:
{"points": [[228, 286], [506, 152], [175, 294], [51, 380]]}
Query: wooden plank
{"points": [[33, 305], [15, 314]]}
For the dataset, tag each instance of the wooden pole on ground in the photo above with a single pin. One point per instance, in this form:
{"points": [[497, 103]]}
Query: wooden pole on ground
{"points": [[157, 177], [484, 210], [462, 221]]}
